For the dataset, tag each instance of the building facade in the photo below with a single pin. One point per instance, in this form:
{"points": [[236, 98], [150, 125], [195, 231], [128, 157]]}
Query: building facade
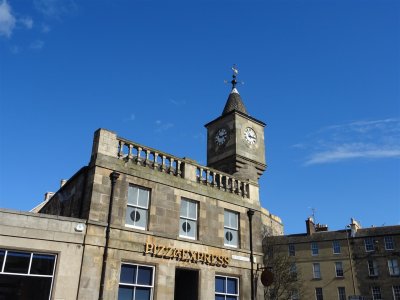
{"points": [[354, 263], [148, 225]]}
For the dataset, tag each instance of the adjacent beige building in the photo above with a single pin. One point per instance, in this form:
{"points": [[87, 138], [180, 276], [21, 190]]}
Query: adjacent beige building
{"points": [[139, 223], [353, 263]]}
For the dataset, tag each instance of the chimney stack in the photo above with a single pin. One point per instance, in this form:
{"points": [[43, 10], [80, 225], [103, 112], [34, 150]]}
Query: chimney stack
{"points": [[310, 226], [48, 195], [62, 182], [354, 226]]}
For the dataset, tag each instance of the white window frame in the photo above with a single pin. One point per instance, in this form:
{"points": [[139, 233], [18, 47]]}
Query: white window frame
{"points": [[316, 270], [336, 247], [319, 296], [228, 228], [376, 293], [226, 294], [389, 243], [135, 285], [341, 293], [339, 269], [314, 249], [393, 266], [396, 292], [137, 206], [372, 266], [186, 217], [369, 244], [28, 274]]}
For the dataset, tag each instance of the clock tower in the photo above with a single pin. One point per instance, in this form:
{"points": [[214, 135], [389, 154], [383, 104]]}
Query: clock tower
{"points": [[235, 140]]}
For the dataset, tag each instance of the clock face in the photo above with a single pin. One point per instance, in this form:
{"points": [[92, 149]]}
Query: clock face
{"points": [[221, 136], [250, 136]]}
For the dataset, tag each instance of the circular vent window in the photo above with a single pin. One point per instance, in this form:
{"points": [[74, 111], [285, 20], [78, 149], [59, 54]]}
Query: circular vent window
{"points": [[135, 216], [186, 227]]}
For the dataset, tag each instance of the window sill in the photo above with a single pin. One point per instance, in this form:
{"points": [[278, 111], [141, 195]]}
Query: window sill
{"points": [[231, 247], [187, 238], [135, 227]]}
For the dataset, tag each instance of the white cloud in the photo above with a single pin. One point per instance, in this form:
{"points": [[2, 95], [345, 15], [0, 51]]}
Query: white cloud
{"points": [[36, 45], [161, 126], [7, 20], [27, 22], [55, 8], [356, 140], [346, 153]]}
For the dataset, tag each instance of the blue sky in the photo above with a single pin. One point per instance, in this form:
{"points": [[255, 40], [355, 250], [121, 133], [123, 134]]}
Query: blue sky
{"points": [[324, 75]]}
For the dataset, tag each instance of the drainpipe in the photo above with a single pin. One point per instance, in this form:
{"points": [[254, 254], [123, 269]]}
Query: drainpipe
{"points": [[113, 176], [250, 214], [351, 259]]}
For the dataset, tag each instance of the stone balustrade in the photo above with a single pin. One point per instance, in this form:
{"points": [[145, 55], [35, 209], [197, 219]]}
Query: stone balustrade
{"points": [[148, 157], [183, 168], [222, 181]]}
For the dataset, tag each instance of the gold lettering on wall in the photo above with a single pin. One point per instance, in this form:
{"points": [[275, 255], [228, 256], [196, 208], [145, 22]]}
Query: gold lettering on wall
{"points": [[186, 255]]}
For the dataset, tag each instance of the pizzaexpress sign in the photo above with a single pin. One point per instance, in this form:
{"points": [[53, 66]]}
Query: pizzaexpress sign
{"points": [[186, 255]]}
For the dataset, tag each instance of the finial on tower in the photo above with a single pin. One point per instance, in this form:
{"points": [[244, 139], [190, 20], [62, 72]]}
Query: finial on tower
{"points": [[234, 82], [234, 101], [234, 75]]}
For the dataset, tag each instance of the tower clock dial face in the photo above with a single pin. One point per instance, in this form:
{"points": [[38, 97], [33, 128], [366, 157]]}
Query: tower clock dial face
{"points": [[221, 136], [250, 136]]}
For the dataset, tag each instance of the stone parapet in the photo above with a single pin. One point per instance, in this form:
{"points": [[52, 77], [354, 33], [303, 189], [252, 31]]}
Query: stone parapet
{"points": [[109, 144]]}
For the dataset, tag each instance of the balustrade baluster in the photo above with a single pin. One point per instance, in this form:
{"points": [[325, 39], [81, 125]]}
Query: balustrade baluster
{"points": [[179, 172], [201, 175], [121, 150], [163, 163], [245, 193], [238, 187], [130, 156], [146, 161], [139, 150], [220, 181], [155, 164], [171, 166]]}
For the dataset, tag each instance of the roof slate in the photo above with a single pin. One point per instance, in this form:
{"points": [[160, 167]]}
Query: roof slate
{"points": [[234, 102]]}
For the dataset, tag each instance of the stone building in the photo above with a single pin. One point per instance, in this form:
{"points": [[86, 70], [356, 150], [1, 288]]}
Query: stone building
{"points": [[353, 263], [144, 224]]}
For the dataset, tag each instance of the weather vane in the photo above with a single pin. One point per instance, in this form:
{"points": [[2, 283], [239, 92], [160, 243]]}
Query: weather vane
{"points": [[234, 82]]}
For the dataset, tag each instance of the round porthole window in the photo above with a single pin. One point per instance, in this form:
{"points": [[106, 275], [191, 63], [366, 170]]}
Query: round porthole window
{"points": [[229, 236], [186, 227], [135, 216]]}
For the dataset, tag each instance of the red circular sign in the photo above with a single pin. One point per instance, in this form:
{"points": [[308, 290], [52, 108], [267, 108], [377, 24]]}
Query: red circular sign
{"points": [[267, 277]]}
